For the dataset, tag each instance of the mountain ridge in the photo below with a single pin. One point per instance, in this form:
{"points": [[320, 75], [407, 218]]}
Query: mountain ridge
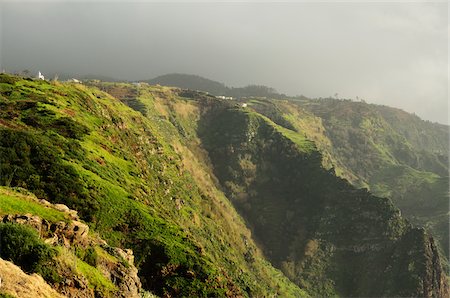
{"points": [[195, 82]]}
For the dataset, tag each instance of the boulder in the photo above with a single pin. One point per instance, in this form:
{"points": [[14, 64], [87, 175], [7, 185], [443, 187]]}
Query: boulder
{"points": [[33, 221], [61, 207], [76, 232]]}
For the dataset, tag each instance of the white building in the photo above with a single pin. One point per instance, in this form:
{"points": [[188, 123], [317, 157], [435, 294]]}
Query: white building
{"points": [[40, 76], [225, 97]]}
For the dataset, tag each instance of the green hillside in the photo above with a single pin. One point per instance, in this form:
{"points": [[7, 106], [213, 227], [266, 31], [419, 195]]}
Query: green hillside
{"points": [[210, 196], [73, 144]]}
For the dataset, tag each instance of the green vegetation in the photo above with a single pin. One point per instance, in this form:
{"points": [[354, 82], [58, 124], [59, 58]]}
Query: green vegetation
{"points": [[392, 153], [96, 279], [33, 161], [21, 245], [119, 168], [14, 201], [194, 82], [326, 236], [161, 170], [89, 255]]}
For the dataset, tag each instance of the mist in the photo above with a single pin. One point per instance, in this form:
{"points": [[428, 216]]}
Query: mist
{"points": [[385, 53]]}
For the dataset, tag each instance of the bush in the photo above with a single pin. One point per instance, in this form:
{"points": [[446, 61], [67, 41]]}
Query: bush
{"points": [[22, 245], [9, 79], [89, 255]]}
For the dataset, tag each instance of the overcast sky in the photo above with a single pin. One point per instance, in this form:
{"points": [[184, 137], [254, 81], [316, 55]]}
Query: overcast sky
{"points": [[387, 53]]}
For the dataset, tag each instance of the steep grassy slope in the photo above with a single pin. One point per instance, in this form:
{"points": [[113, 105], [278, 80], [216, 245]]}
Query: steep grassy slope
{"points": [[359, 261], [324, 234], [74, 144], [392, 153]]}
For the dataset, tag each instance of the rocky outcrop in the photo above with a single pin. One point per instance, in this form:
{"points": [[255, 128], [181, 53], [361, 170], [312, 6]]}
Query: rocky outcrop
{"points": [[15, 282], [123, 274], [59, 233], [73, 285], [118, 268]]}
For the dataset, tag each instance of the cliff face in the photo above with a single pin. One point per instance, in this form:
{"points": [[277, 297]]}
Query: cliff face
{"points": [[393, 153], [324, 234], [17, 283]]}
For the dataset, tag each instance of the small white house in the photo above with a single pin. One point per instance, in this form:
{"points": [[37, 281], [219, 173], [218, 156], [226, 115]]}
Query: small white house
{"points": [[40, 76], [73, 80], [225, 97], [244, 105]]}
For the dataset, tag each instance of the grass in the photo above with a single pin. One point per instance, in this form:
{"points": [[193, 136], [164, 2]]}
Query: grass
{"points": [[15, 202], [95, 277], [305, 145], [104, 255]]}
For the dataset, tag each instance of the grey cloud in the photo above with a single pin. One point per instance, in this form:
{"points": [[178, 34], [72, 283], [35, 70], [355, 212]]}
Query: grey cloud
{"points": [[394, 54]]}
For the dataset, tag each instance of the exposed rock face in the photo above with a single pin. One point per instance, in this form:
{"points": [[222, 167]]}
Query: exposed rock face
{"points": [[73, 286], [16, 282], [434, 280], [123, 274], [26, 219], [73, 214], [62, 233]]}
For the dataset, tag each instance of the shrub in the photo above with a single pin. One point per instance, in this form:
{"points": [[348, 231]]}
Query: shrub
{"points": [[89, 255], [22, 245], [31, 161], [8, 79]]}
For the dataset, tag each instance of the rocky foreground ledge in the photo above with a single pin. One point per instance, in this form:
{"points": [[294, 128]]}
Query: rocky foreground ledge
{"points": [[112, 269]]}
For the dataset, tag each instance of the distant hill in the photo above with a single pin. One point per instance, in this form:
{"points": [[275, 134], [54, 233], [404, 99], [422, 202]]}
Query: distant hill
{"points": [[194, 82]]}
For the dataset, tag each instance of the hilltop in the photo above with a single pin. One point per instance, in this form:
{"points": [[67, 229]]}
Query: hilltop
{"points": [[194, 82]]}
